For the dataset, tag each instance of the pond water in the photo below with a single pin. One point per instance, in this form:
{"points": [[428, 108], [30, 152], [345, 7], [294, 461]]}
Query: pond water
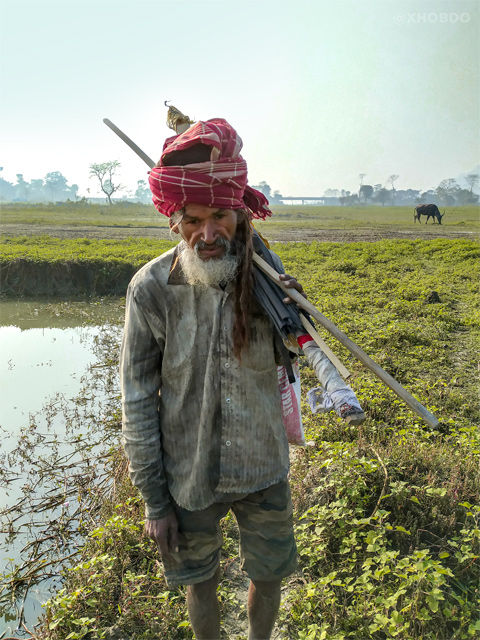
{"points": [[45, 353]]}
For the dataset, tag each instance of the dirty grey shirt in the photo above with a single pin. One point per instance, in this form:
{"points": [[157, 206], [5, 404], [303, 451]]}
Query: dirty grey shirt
{"points": [[198, 425]]}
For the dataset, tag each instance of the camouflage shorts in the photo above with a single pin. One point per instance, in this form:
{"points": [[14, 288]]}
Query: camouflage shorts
{"points": [[267, 544]]}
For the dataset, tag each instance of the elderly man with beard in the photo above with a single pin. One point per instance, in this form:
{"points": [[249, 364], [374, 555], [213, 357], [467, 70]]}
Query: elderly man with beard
{"points": [[202, 417]]}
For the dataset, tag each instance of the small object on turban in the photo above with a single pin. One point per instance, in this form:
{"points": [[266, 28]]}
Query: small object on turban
{"points": [[175, 118], [217, 177]]}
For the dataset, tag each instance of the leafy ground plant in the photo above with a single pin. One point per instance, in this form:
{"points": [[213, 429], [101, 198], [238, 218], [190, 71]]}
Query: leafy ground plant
{"points": [[387, 514]]}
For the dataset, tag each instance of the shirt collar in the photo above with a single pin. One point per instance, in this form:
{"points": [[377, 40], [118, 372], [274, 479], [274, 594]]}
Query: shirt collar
{"points": [[176, 275]]}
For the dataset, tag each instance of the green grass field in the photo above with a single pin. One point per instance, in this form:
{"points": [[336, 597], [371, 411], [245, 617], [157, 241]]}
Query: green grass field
{"points": [[138, 215], [387, 515], [367, 216]]}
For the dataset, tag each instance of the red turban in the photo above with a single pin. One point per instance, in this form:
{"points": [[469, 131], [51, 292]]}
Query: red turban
{"points": [[221, 182]]}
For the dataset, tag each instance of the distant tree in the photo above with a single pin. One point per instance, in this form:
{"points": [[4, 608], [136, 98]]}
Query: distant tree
{"points": [[343, 197], [407, 196], [105, 172], [331, 193], [7, 190], [428, 197], [366, 192], [464, 196], [21, 188], [276, 197], [382, 196], [73, 191], [264, 188], [351, 199], [143, 193], [361, 176], [36, 191], [472, 181], [392, 179], [447, 191], [56, 186]]}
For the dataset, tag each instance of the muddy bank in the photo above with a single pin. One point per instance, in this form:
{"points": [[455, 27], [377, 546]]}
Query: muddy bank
{"points": [[290, 234], [29, 278], [26, 278]]}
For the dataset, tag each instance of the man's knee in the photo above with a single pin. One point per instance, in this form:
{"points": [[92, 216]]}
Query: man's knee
{"points": [[268, 590], [204, 591]]}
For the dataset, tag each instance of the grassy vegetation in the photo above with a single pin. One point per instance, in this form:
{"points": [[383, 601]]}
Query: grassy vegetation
{"points": [[370, 217], [49, 250], [83, 214], [143, 215], [386, 514], [42, 266]]}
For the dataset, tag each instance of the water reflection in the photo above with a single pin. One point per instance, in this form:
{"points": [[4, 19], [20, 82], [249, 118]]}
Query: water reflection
{"points": [[45, 351]]}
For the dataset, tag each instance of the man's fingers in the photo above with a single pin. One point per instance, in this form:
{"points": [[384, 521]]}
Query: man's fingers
{"points": [[292, 283], [162, 545], [164, 532]]}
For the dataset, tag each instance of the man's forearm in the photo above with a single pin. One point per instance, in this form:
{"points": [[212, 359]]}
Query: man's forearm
{"points": [[142, 445], [140, 382]]}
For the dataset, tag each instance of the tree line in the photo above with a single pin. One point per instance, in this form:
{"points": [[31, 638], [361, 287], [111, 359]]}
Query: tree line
{"points": [[54, 187], [448, 193]]}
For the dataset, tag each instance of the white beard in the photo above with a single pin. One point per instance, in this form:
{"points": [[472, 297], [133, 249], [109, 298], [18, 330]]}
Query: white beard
{"points": [[208, 272]]}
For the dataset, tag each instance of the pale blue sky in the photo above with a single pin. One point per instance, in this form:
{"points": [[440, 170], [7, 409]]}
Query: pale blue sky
{"points": [[319, 91]]}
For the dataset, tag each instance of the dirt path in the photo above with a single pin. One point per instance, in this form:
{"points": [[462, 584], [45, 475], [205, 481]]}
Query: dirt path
{"points": [[276, 235]]}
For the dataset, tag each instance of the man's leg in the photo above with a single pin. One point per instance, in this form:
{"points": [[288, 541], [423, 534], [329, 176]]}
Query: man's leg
{"points": [[263, 604], [203, 608]]}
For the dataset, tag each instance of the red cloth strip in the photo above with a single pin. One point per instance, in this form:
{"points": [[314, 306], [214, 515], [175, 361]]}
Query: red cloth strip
{"points": [[221, 182], [303, 339]]}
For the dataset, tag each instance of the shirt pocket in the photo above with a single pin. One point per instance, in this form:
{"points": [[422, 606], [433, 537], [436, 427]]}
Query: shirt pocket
{"points": [[260, 355]]}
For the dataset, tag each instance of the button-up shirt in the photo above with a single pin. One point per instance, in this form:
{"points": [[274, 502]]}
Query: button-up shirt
{"points": [[199, 425]]}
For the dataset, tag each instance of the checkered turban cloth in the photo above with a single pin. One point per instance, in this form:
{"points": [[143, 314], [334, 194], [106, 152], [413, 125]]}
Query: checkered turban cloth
{"points": [[221, 182]]}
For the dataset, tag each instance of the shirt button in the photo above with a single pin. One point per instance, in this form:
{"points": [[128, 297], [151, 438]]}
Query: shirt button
{"points": [[227, 365], [225, 328], [228, 400], [228, 443]]}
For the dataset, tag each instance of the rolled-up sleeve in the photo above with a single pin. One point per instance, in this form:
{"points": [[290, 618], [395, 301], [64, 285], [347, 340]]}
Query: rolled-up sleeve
{"points": [[140, 379]]}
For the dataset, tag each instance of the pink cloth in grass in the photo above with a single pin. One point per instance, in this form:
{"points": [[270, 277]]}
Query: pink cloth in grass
{"points": [[221, 182]]}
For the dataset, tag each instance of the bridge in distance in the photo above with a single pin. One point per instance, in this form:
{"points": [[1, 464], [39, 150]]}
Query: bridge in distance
{"points": [[322, 200]]}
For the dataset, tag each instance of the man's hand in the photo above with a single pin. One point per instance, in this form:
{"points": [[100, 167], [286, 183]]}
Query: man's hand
{"points": [[290, 282], [165, 533]]}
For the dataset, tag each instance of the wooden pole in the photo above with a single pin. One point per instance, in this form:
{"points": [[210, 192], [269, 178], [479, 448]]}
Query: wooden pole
{"points": [[130, 143], [349, 344], [342, 369]]}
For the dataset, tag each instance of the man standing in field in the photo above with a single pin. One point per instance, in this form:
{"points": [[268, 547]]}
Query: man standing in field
{"points": [[202, 417]]}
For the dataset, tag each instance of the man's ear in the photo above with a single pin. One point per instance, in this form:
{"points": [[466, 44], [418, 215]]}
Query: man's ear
{"points": [[174, 226]]}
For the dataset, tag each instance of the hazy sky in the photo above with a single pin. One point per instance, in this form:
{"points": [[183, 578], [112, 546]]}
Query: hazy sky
{"points": [[319, 91]]}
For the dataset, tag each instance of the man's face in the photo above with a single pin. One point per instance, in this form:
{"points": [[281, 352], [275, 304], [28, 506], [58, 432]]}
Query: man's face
{"points": [[206, 226]]}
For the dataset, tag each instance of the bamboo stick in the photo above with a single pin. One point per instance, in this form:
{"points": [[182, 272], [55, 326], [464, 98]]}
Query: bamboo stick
{"points": [[341, 368], [130, 143]]}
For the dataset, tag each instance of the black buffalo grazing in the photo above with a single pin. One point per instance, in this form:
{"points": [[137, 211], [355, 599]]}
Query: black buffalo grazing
{"points": [[429, 210]]}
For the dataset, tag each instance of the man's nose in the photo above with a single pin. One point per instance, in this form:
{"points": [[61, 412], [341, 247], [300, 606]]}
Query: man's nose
{"points": [[209, 232]]}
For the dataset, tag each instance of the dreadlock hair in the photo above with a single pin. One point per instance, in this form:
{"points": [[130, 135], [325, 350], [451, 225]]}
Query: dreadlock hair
{"points": [[243, 285]]}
